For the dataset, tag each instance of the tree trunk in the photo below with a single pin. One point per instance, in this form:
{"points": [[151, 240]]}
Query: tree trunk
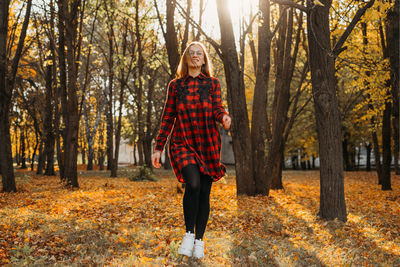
{"points": [[237, 104], [62, 90], [41, 158], [386, 147], [110, 121], [392, 39], [48, 123], [276, 173], [368, 147], [83, 150], [260, 99], [171, 40], [150, 131], [346, 157], [101, 151], [71, 143], [7, 81], [140, 66], [114, 168], [17, 159], [322, 66], [23, 153]]}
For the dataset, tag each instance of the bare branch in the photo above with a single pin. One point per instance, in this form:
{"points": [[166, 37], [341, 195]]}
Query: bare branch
{"points": [[338, 47], [291, 4], [216, 46], [159, 20], [20, 46]]}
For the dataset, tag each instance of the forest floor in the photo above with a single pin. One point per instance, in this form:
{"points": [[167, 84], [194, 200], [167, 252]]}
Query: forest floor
{"points": [[117, 222]]}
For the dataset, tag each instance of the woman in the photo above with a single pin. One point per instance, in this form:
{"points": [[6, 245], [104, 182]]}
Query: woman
{"points": [[193, 106]]}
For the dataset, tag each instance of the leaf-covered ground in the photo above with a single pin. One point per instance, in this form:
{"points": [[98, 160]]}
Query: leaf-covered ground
{"points": [[117, 222]]}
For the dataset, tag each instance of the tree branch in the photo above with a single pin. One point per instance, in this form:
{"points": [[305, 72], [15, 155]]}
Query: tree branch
{"points": [[291, 4], [338, 47], [20, 46], [216, 46]]}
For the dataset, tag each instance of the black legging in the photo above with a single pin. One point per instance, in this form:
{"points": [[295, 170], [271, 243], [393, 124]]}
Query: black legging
{"points": [[196, 201]]}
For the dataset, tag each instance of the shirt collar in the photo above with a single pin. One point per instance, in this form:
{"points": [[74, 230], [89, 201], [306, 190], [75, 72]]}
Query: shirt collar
{"points": [[200, 76]]}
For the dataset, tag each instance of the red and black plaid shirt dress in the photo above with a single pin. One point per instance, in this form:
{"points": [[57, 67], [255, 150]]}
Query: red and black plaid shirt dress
{"points": [[192, 108]]}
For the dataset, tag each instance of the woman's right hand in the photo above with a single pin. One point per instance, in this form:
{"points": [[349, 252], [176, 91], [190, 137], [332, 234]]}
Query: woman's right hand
{"points": [[155, 159]]}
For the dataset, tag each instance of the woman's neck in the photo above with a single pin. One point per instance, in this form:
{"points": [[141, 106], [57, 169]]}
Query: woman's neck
{"points": [[194, 71]]}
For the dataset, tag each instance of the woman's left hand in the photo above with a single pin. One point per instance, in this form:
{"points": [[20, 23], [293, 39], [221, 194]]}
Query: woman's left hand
{"points": [[226, 122]]}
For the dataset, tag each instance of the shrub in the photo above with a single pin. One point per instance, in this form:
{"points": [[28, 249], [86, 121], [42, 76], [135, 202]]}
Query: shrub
{"points": [[142, 173]]}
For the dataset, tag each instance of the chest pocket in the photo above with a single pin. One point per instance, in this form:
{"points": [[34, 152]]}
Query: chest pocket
{"points": [[205, 91], [182, 92]]}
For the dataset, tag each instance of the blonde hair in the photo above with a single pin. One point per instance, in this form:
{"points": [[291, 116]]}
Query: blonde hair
{"points": [[183, 67]]}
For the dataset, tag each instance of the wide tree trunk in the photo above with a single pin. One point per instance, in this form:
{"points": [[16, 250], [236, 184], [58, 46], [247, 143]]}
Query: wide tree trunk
{"points": [[71, 142], [322, 66], [7, 81], [393, 40], [237, 104]]}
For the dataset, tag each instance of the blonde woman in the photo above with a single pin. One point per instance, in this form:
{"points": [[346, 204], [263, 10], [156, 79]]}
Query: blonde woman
{"points": [[192, 108]]}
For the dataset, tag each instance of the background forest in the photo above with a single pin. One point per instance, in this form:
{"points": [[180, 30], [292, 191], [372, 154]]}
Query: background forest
{"points": [[303, 81]]}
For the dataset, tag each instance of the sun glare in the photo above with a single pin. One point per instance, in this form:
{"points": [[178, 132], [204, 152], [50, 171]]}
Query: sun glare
{"points": [[239, 9]]}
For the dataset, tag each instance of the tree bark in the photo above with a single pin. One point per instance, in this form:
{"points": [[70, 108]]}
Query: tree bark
{"points": [[23, 153], [140, 66], [237, 104], [62, 91], [41, 158], [48, 123], [110, 121], [322, 66], [392, 40], [369, 149], [7, 81], [258, 128], [71, 142], [386, 147]]}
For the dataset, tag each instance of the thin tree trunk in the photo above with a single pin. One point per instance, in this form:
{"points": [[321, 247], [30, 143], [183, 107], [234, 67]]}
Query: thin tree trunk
{"points": [[48, 123], [386, 147], [110, 122], [101, 151], [23, 153], [140, 67], [41, 158], [368, 147], [62, 90], [377, 156]]}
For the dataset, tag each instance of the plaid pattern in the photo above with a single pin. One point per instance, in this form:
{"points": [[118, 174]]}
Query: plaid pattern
{"points": [[192, 108]]}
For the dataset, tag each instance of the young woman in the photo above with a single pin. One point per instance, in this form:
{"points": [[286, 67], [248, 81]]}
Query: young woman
{"points": [[192, 108]]}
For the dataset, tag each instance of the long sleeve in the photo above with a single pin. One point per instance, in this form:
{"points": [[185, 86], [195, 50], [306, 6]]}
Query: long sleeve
{"points": [[218, 109], [168, 117]]}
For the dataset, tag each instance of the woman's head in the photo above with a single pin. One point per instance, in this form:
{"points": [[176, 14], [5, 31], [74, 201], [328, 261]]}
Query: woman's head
{"points": [[195, 53]]}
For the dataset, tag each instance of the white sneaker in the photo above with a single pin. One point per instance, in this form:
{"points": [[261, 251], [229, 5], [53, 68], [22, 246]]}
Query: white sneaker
{"points": [[187, 245], [198, 251]]}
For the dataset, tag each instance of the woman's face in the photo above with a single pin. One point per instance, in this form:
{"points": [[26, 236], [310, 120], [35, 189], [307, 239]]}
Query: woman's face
{"points": [[195, 57]]}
